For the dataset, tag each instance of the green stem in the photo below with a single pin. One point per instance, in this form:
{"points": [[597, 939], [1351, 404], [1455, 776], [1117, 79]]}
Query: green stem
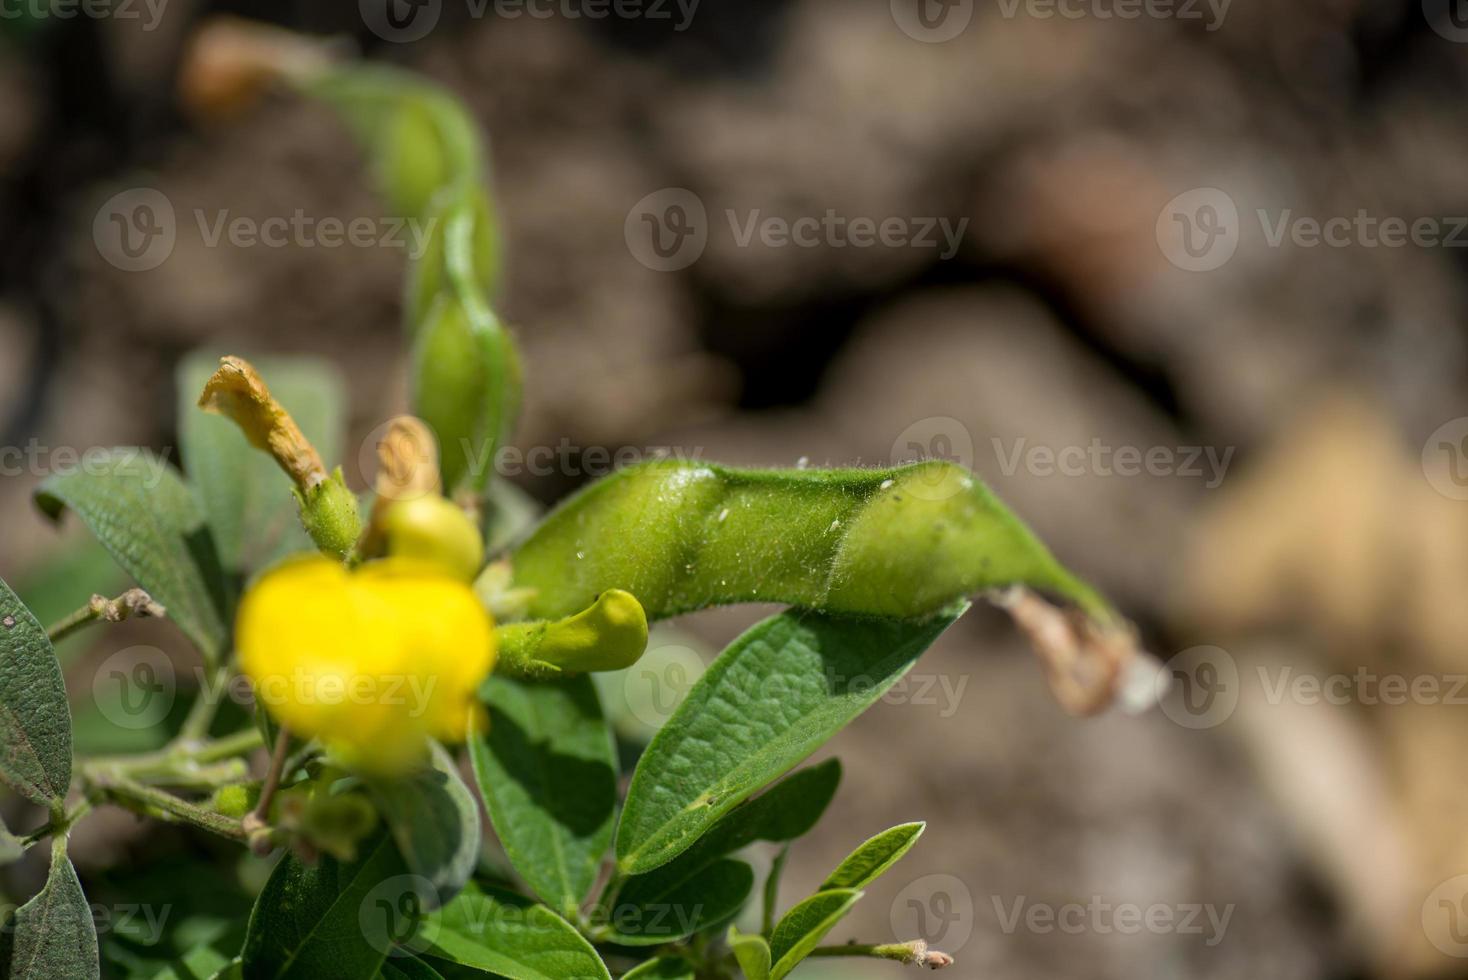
{"points": [[151, 802], [168, 760], [195, 727], [133, 602], [909, 953], [257, 821], [59, 824]]}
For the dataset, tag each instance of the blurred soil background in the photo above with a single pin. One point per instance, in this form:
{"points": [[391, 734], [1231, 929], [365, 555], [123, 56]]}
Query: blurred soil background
{"points": [[1316, 376]]}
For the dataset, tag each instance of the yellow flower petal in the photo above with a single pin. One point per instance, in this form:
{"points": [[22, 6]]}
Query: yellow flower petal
{"points": [[373, 662]]}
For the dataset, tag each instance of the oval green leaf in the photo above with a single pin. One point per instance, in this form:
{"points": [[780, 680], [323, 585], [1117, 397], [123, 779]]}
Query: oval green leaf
{"points": [[662, 968], [803, 928], [53, 935], [871, 860], [753, 954], [434, 820], [511, 938], [547, 770], [35, 720], [150, 522], [771, 699], [651, 913]]}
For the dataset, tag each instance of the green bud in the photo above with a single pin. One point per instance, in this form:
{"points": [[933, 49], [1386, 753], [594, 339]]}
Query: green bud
{"points": [[235, 801], [609, 635], [329, 515], [434, 529]]}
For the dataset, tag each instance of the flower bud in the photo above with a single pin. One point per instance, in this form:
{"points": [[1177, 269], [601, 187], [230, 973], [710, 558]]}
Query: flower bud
{"points": [[432, 529], [609, 635], [329, 515]]}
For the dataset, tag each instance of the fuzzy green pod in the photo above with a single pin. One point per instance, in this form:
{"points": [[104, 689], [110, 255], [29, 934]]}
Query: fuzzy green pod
{"points": [[611, 634], [681, 536], [329, 515]]}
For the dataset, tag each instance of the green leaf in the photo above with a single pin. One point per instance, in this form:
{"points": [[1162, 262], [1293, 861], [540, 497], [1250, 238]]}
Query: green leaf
{"points": [[871, 860], [408, 968], [547, 770], [12, 848], [662, 968], [435, 822], [142, 512], [771, 699], [245, 494], [309, 922], [901, 542], [512, 939], [678, 910], [35, 720], [753, 954], [697, 889], [53, 935], [803, 927]]}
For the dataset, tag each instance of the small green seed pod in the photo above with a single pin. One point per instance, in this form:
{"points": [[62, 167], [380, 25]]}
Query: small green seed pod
{"points": [[329, 515], [609, 635]]}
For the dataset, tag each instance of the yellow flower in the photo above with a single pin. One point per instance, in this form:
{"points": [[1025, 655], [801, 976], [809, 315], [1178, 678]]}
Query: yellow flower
{"points": [[373, 662]]}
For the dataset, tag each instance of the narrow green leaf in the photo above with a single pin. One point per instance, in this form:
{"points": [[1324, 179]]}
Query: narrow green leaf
{"points": [[435, 822], [245, 495], [145, 515], [53, 935], [871, 860], [510, 938], [35, 720], [547, 770], [200, 963], [675, 910], [771, 699], [309, 922], [753, 954], [786, 812], [662, 968], [803, 928], [902, 542]]}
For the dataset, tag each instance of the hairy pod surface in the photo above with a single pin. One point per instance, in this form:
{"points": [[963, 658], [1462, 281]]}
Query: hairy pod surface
{"points": [[902, 542]]}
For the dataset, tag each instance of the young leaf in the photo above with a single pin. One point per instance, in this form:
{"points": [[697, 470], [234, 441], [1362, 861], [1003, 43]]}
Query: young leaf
{"points": [[547, 770], [650, 917], [308, 921], [142, 512], [784, 813], [871, 860], [35, 721], [246, 497], [512, 939], [662, 968], [903, 542], [803, 928], [200, 963], [753, 954], [771, 699], [435, 822], [53, 935]]}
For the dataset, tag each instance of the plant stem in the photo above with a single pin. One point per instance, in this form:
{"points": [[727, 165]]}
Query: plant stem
{"points": [[169, 759], [257, 821], [915, 952], [195, 727], [149, 801], [133, 602]]}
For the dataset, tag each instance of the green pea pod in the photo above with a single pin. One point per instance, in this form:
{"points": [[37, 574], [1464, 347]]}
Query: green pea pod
{"points": [[418, 137], [611, 634], [430, 275], [683, 536]]}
